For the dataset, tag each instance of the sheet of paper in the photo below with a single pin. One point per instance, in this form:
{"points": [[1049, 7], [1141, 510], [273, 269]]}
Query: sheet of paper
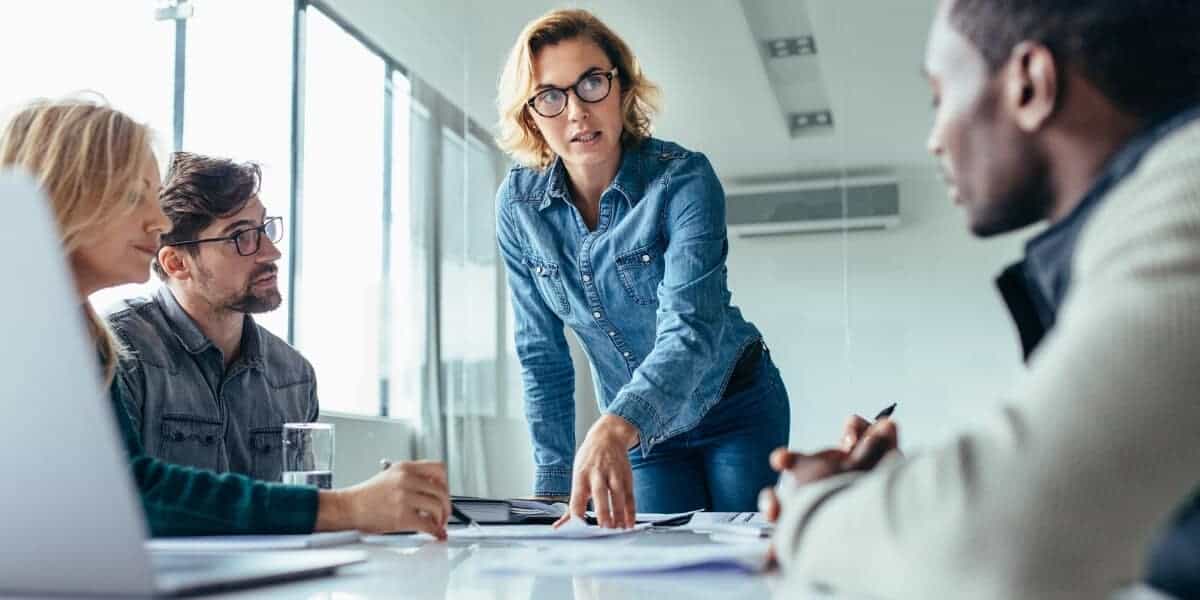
{"points": [[225, 543], [703, 519], [572, 530], [582, 559]]}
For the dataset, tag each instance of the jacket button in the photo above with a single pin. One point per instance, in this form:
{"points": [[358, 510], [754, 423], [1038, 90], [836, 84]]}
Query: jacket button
{"points": [[587, 278], [645, 258], [208, 440], [178, 436]]}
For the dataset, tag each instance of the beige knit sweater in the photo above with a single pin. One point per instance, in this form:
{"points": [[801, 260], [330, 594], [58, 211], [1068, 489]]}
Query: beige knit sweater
{"points": [[1059, 494]]}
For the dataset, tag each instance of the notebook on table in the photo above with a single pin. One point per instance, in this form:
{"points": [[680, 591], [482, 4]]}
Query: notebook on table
{"points": [[493, 511]]}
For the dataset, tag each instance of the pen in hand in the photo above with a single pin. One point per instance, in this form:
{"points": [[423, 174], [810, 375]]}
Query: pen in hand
{"points": [[458, 513], [887, 412]]}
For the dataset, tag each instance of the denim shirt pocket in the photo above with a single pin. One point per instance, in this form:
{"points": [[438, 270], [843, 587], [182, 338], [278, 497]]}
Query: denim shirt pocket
{"points": [[266, 444], [190, 440], [641, 272], [549, 283]]}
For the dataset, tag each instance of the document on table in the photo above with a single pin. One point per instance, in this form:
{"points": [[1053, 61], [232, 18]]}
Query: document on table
{"points": [[572, 530], [582, 559], [224, 543]]}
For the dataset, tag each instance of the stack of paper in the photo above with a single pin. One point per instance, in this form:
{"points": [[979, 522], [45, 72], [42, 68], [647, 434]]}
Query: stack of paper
{"points": [[571, 530]]}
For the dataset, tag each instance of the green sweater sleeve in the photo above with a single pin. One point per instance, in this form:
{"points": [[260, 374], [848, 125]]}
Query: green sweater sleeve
{"points": [[180, 500]]}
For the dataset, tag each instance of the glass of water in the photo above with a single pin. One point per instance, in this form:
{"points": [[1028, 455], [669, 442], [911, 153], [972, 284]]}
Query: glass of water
{"points": [[308, 454]]}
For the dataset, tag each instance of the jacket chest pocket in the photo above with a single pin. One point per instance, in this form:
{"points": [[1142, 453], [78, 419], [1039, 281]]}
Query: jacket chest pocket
{"points": [[549, 282], [641, 272], [266, 446], [191, 441]]}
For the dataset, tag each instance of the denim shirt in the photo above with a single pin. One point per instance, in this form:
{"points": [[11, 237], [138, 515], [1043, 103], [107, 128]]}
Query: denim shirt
{"points": [[189, 409], [646, 294]]}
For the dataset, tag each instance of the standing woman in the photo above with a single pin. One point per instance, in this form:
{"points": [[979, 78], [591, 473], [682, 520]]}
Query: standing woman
{"points": [[621, 236]]}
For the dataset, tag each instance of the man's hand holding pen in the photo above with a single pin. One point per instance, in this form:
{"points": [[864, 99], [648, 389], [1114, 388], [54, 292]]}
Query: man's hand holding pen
{"points": [[863, 445]]}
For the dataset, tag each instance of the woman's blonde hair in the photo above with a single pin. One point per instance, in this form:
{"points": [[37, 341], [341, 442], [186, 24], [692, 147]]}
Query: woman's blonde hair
{"points": [[88, 159], [518, 136]]}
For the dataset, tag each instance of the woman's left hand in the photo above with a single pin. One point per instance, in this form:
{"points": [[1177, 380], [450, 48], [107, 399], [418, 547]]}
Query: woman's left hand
{"points": [[603, 473]]}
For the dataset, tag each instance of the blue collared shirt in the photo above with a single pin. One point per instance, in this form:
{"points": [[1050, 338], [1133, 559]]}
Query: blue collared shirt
{"points": [[646, 294]]}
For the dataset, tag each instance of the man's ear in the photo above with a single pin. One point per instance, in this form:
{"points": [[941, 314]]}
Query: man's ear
{"points": [[172, 262], [1031, 86]]}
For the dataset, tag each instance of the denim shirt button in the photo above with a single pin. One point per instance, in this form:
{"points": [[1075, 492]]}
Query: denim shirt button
{"points": [[628, 354], [612, 334], [645, 258], [597, 314], [587, 278]]}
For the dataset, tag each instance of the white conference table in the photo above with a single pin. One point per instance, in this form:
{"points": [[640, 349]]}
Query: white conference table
{"points": [[410, 567], [418, 568]]}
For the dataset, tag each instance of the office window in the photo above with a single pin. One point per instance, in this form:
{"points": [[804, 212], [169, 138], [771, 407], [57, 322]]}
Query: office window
{"points": [[340, 268], [469, 299], [237, 102], [408, 275], [117, 49]]}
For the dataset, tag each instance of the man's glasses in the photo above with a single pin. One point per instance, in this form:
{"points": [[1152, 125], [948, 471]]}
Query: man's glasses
{"points": [[247, 241], [593, 87]]}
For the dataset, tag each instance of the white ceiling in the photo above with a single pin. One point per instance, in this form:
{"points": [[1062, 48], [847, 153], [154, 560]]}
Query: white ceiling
{"points": [[716, 95]]}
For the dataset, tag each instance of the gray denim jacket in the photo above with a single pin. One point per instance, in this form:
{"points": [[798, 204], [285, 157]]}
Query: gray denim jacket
{"points": [[189, 409]]}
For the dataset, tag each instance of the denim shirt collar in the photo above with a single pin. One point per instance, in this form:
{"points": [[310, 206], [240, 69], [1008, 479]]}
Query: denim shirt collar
{"points": [[629, 181], [194, 340]]}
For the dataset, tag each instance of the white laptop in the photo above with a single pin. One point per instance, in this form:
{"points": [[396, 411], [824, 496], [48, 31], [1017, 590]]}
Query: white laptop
{"points": [[70, 519]]}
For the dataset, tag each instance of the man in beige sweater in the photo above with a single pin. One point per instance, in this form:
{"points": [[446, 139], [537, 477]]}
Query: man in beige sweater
{"points": [[1085, 115]]}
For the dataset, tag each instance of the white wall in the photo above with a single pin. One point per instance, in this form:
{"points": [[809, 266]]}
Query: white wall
{"points": [[861, 320]]}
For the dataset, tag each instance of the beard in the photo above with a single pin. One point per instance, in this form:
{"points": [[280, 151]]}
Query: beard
{"points": [[247, 300]]}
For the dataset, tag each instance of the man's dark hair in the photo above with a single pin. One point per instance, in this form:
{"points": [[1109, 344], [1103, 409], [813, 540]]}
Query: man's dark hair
{"points": [[201, 189], [1144, 55]]}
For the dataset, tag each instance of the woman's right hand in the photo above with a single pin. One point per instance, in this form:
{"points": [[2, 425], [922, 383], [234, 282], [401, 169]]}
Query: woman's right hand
{"points": [[408, 496]]}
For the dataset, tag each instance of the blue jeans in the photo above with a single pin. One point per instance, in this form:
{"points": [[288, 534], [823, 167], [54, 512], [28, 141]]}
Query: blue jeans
{"points": [[722, 463]]}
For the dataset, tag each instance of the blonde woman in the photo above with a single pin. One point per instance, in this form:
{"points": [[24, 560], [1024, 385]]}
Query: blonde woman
{"points": [[96, 166], [621, 237]]}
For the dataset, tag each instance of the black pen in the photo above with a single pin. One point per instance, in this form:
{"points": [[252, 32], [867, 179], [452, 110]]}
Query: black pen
{"points": [[887, 412], [458, 513]]}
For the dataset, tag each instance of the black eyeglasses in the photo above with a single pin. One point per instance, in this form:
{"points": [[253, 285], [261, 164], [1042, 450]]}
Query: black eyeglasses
{"points": [[593, 87], [247, 241]]}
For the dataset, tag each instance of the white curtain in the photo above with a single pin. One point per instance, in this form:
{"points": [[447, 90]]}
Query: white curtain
{"points": [[455, 173]]}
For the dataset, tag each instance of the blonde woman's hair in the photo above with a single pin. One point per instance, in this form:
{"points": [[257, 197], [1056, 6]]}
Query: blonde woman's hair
{"points": [[88, 159], [518, 136]]}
